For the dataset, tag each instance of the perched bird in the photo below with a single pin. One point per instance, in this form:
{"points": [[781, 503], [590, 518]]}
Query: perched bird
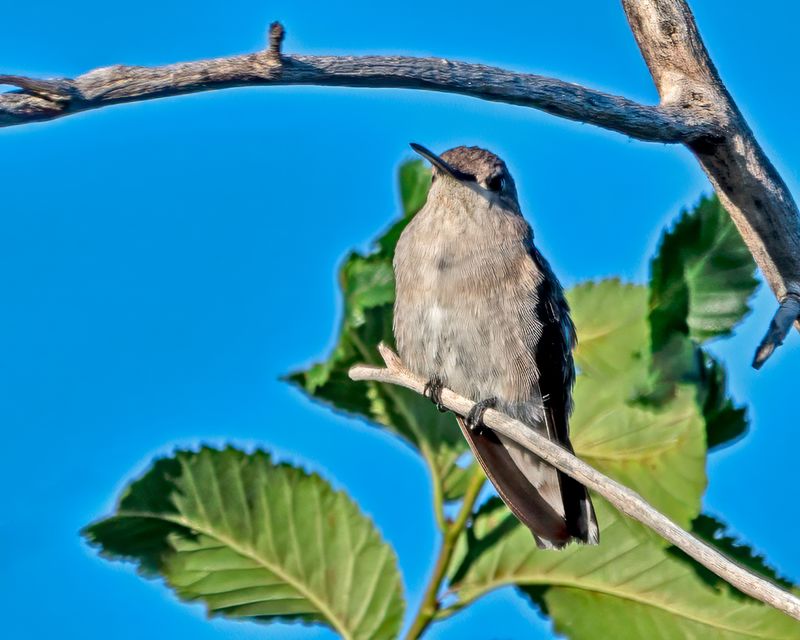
{"points": [[479, 310]]}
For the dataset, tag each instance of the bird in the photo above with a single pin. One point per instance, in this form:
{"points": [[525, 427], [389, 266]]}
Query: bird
{"points": [[479, 310]]}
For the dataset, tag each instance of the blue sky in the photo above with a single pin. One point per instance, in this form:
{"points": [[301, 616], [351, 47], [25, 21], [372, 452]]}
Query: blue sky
{"points": [[161, 264]]}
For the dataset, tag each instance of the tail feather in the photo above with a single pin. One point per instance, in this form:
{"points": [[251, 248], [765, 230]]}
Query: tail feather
{"points": [[555, 507]]}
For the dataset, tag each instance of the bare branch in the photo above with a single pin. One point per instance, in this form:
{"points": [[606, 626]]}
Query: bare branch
{"points": [[695, 110], [276, 35], [627, 501], [55, 90], [113, 85]]}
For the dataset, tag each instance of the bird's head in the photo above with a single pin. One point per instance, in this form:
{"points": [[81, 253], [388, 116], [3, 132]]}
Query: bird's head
{"points": [[471, 173]]}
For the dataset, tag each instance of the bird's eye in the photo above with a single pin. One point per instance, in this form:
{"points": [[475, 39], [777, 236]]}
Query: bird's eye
{"points": [[496, 183]]}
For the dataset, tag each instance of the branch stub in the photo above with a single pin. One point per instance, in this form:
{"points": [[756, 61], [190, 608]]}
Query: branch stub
{"points": [[276, 35]]}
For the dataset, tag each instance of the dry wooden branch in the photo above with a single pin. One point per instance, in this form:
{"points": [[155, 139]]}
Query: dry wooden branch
{"points": [[779, 327], [627, 501], [113, 85], [695, 110]]}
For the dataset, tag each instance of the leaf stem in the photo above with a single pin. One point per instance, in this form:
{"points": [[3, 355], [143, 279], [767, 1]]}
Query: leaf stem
{"points": [[421, 442], [430, 602], [438, 491]]}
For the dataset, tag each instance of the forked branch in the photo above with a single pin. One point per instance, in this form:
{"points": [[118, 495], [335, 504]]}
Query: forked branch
{"points": [[627, 501], [695, 110]]}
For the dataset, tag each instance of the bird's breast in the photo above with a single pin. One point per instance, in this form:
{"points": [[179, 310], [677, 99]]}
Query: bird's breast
{"points": [[465, 307]]}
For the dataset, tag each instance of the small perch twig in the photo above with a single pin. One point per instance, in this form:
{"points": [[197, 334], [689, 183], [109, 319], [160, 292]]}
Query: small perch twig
{"points": [[627, 501]]}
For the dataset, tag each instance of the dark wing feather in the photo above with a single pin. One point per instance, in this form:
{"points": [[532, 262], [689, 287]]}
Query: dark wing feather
{"points": [[548, 527], [556, 379], [553, 356]]}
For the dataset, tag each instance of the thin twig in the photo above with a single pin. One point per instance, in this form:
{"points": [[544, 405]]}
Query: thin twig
{"points": [[58, 91], [626, 500], [430, 605]]}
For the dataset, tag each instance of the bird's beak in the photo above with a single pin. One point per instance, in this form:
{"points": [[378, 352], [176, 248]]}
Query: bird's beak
{"points": [[440, 164]]}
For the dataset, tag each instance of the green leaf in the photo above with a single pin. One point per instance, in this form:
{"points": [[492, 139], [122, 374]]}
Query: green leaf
{"points": [[725, 422], [714, 532], [659, 450], [613, 336], [414, 182], [368, 283], [629, 586], [701, 277], [256, 540]]}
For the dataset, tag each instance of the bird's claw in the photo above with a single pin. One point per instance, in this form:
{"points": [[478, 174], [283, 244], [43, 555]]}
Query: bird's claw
{"points": [[474, 419], [433, 391]]}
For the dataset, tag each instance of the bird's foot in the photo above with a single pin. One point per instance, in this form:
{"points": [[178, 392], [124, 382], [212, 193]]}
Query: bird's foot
{"points": [[474, 419], [433, 391]]}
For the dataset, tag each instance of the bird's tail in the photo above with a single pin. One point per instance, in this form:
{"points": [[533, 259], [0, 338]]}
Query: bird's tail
{"points": [[556, 508]]}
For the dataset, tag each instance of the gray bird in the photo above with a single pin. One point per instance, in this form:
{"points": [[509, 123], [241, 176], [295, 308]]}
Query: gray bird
{"points": [[479, 310]]}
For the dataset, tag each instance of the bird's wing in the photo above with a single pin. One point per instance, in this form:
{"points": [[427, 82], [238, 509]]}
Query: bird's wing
{"points": [[553, 357], [552, 505]]}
